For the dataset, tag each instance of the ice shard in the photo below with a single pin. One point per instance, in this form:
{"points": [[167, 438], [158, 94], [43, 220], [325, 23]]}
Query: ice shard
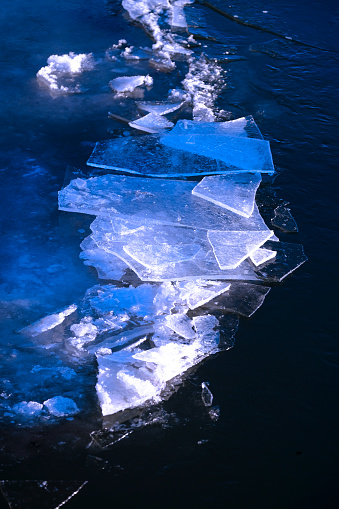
{"points": [[148, 201], [151, 123], [197, 293], [244, 127], [48, 322], [233, 247], [284, 220], [261, 256], [107, 266], [129, 83], [235, 192], [145, 155], [288, 258], [159, 108]]}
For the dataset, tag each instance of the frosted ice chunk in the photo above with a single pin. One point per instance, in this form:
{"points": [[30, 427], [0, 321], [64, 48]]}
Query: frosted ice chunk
{"points": [[48, 322], [231, 248], [28, 409], [61, 70], [151, 201], [246, 154], [261, 256], [284, 220], [129, 83], [108, 266], [145, 155], [159, 108], [151, 123], [206, 395], [61, 406], [235, 192], [244, 127], [288, 258], [181, 324], [198, 293], [178, 18]]}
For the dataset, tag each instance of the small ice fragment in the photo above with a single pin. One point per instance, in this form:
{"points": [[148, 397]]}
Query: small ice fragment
{"points": [[235, 192], [159, 108], [181, 324], [61, 406], [214, 413], [129, 83], [107, 265], [233, 247], [288, 258], [28, 409], [206, 395], [242, 298], [284, 220], [198, 293], [151, 123], [48, 322], [243, 127], [178, 18], [261, 256]]}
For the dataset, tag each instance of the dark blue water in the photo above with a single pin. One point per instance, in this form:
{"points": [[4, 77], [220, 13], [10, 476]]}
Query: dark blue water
{"points": [[275, 443]]}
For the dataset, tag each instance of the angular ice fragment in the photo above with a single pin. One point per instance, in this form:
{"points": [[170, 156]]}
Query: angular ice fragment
{"points": [[244, 127], [160, 254], [206, 395], [107, 265], [246, 154], [284, 220], [151, 123], [159, 108], [122, 340], [151, 201], [129, 83], [61, 406], [198, 293], [261, 256], [242, 298], [145, 155], [178, 18], [232, 248], [288, 258], [49, 322], [181, 324], [235, 192]]}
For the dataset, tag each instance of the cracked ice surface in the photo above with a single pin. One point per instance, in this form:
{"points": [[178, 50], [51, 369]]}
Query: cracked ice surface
{"points": [[233, 192], [166, 202]]}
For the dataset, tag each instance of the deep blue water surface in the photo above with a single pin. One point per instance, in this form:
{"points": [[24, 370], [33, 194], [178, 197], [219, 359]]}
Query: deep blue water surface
{"points": [[276, 442]]}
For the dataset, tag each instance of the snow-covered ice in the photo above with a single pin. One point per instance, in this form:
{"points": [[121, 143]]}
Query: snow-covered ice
{"points": [[129, 83]]}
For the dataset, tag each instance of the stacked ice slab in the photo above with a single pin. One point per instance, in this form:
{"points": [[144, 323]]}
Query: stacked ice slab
{"points": [[188, 242]]}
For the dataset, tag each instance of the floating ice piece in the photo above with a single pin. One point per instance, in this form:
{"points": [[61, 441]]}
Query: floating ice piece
{"points": [[232, 248], [28, 409], [59, 74], [159, 108], [61, 406], [198, 293], [151, 123], [261, 256], [235, 192], [48, 322], [242, 298], [145, 155], [178, 18], [288, 258], [284, 220], [181, 324], [129, 83], [244, 127], [106, 266], [246, 154], [150, 201], [206, 395], [122, 340]]}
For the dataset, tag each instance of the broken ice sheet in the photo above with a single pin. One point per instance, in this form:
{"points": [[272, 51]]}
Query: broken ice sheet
{"points": [[201, 266], [145, 155], [151, 123], [246, 154], [159, 108], [39, 494], [261, 256], [233, 247], [288, 258], [151, 201], [235, 192], [129, 83], [108, 267], [244, 127], [284, 220], [197, 293]]}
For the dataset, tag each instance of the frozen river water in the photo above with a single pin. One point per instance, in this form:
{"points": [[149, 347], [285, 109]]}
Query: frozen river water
{"points": [[274, 443]]}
